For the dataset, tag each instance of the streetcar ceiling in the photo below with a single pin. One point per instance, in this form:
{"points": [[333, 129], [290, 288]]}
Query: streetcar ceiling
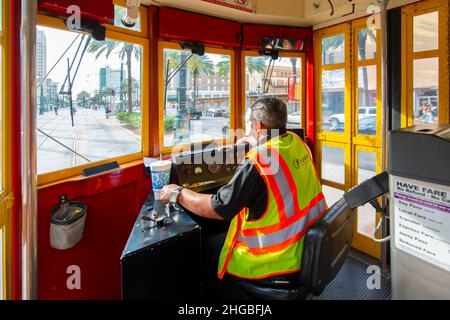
{"points": [[284, 12]]}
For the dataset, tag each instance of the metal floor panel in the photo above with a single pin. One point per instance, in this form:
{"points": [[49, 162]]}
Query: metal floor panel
{"points": [[351, 284]]}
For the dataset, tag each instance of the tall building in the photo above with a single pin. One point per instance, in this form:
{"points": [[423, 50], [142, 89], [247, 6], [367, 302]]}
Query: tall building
{"points": [[52, 91], [111, 79], [41, 69], [41, 55]]}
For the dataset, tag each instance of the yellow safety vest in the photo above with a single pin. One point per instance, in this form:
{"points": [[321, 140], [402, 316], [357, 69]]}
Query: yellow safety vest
{"points": [[273, 244]]}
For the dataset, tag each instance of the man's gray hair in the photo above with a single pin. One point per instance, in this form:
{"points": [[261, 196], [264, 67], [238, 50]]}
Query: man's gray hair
{"points": [[271, 112]]}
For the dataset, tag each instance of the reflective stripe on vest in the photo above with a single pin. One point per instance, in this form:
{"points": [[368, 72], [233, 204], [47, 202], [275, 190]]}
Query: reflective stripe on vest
{"points": [[273, 243], [273, 166], [278, 237]]}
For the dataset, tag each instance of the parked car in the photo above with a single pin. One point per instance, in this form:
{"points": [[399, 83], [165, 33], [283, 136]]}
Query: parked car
{"points": [[211, 112], [196, 114], [338, 119], [368, 125]]}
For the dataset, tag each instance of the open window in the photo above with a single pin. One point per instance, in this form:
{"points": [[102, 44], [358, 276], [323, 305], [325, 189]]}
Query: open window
{"points": [[91, 99], [196, 95]]}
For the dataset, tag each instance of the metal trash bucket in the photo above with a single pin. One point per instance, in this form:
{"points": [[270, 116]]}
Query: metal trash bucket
{"points": [[67, 223]]}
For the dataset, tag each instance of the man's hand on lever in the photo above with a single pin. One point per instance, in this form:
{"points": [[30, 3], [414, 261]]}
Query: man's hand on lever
{"points": [[197, 203]]}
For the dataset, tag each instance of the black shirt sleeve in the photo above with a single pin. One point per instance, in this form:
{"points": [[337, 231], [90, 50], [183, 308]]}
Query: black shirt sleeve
{"points": [[246, 189]]}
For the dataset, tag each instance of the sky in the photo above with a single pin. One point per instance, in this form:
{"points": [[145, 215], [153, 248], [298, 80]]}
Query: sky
{"points": [[88, 75]]}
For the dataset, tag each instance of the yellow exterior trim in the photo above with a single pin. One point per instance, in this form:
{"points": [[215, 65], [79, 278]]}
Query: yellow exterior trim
{"points": [[301, 55], [111, 33], [176, 46], [408, 57]]}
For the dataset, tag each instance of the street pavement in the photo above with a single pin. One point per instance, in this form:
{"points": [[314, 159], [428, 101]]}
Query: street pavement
{"points": [[93, 136]]}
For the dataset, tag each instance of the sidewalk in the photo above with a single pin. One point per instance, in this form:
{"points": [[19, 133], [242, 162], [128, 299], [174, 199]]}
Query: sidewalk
{"points": [[92, 136]]}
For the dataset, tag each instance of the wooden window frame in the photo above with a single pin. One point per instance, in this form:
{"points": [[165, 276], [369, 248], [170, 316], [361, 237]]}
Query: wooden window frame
{"points": [[213, 50], [75, 172], [254, 53], [408, 57]]}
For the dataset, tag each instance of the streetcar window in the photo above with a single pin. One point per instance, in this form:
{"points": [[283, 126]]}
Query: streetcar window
{"points": [[333, 49], [426, 32], [367, 44], [425, 86], [97, 114], [426, 71], [425, 68], [284, 81], [333, 100], [197, 91]]}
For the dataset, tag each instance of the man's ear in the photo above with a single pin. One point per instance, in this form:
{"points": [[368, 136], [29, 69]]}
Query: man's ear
{"points": [[259, 126]]}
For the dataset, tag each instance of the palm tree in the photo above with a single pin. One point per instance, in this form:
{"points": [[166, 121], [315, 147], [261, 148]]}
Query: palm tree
{"points": [[82, 98], [254, 65], [126, 52], [135, 86], [198, 65]]}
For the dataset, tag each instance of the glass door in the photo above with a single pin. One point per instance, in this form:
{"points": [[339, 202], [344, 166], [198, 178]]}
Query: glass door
{"points": [[349, 119]]}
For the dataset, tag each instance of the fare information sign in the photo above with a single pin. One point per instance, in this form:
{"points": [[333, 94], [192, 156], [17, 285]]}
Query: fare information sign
{"points": [[422, 220], [244, 5]]}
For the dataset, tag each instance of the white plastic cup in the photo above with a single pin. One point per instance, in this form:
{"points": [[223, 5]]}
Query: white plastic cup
{"points": [[160, 171]]}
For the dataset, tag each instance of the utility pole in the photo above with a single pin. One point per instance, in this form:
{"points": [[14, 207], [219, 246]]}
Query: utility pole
{"points": [[181, 124]]}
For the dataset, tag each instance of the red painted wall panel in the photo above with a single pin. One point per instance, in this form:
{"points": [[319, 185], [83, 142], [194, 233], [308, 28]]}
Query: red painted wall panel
{"points": [[113, 202], [185, 26], [16, 160], [99, 10]]}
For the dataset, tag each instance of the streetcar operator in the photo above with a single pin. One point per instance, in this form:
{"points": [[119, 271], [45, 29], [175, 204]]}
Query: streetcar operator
{"points": [[274, 196]]}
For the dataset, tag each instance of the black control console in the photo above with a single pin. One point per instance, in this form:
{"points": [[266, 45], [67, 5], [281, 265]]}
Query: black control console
{"points": [[162, 261], [204, 169]]}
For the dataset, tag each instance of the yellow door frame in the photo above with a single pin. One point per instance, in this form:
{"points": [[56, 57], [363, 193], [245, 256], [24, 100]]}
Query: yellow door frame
{"points": [[362, 241], [350, 140], [319, 35]]}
